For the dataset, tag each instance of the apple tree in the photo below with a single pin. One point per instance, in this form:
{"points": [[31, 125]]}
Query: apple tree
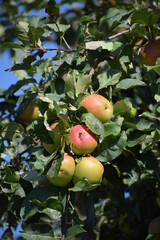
{"points": [[80, 128]]}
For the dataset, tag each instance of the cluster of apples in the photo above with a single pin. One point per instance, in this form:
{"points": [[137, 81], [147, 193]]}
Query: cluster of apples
{"points": [[82, 142]]}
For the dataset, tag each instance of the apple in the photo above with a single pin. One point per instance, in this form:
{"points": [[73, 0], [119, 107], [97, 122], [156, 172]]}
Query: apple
{"points": [[150, 52], [30, 113], [90, 168], [66, 172], [154, 226], [99, 106], [51, 147], [82, 140], [125, 108]]}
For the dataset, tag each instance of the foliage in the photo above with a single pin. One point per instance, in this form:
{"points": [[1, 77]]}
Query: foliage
{"points": [[95, 48]]}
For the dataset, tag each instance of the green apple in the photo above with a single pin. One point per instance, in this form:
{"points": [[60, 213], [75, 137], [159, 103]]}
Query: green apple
{"points": [[150, 52], [82, 140], [125, 108], [99, 106], [154, 226], [66, 172], [51, 147], [30, 113], [90, 168]]}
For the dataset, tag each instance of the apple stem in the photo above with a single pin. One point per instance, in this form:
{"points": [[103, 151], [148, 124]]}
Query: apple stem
{"points": [[64, 230]]}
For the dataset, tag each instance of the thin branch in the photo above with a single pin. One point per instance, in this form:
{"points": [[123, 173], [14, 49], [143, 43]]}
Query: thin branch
{"points": [[119, 34], [66, 216], [45, 50]]}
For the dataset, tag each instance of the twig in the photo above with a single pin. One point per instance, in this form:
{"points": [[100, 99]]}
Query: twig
{"points": [[64, 230], [119, 34], [45, 50]]}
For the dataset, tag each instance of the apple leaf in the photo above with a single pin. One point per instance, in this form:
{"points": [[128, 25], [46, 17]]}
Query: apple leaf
{"points": [[111, 147], [93, 123], [38, 232], [73, 231], [27, 209], [76, 83], [22, 30], [12, 130], [128, 83], [83, 185]]}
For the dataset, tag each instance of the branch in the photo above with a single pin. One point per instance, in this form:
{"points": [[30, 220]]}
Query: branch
{"points": [[64, 230], [45, 50], [119, 34]]}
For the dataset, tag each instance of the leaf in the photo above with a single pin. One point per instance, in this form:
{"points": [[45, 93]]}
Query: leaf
{"points": [[111, 129], [110, 46], [93, 123], [59, 28], [108, 79], [128, 83], [12, 130], [52, 8], [12, 45], [38, 232], [41, 193], [51, 207], [22, 29], [73, 231], [111, 147], [76, 83], [145, 16], [14, 88], [83, 185]]}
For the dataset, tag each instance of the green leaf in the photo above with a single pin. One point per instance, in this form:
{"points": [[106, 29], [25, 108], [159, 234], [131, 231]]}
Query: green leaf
{"points": [[76, 83], [128, 83], [14, 88], [51, 207], [52, 8], [12, 45], [108, 79], [41, 193], [110, 46], [93, 123], [38, 232], [22, 29], [12, 130], [74, 231], [111, 129], [111, 147], [83, 185], [59, 28]]}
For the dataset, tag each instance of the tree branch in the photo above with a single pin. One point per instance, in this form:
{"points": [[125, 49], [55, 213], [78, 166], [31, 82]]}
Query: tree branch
{"points": [[64, 230], [119, 34]]}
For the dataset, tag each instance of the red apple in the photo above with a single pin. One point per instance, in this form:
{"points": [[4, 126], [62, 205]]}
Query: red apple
{"points": [[154, 226], [150, 52], [51, 147], [66, 172], [30, 113], [90, 168], [99, 106], [82, 140]]}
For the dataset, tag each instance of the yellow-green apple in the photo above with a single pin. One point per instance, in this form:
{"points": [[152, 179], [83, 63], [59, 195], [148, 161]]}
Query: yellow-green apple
{"points": [[99, 106], [66, 172], [90, 168], [150, 52], [125, 108], [82, 139], [51, 147], [30, 113], [154, 226]]}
